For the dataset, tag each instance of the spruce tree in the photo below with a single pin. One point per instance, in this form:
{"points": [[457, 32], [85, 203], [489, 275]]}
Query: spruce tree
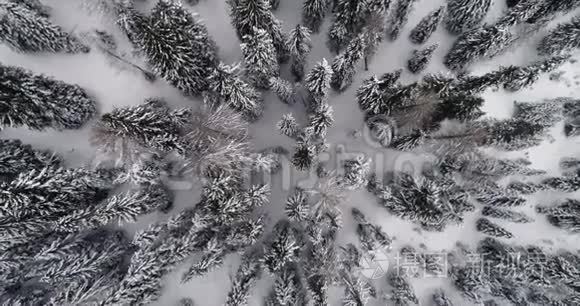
{"points": [[249, 14], [318, 81], [489, 228], [372, 95], [551, 9], [505, 214], [235, 92], [259, 58], [565, 215], [16, 157], [528, 75], [304, 155], [283, 89], [400, 16], [313, 13], [563, 38], [371, 237], [475, 44], [248, 272], [427, 26], [299, 45], [283, 248], [39, 102], [520, 12], [320, 120], [25, 30], [357, 291], [176, 46], [465, 15], [348, 21], [402, 292], [288, 126], [297, 207], [34, 5], [421, 58], [344, 64]]}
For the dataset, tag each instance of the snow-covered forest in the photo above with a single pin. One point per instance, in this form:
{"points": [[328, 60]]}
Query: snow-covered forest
{"points": [[289, 152]]}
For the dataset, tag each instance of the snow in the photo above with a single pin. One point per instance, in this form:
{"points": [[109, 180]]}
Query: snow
{"points": [[114, 87]]}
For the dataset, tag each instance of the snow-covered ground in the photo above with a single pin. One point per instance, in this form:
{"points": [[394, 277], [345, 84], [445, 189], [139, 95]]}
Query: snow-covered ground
{"points": [[113, 87]]}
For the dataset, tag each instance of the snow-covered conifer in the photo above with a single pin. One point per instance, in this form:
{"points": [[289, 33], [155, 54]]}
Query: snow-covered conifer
{"points": [[122, 208], [313, 13], [357, 291], [425, 28], [16, 157], [344, 64], [212, 257], [552, 9], [371, 237], [510, 134], [348, 20], [520, 12], [288, 288], [489, 228], [176, 46], [282, 250], [34, 5], [402, 292], [496, 196], [299, 45], [464, 15], [400, 16], [565, 215], [297, 207], [356, 172], [317, 82], [288, 126], [237, 94], [563, 38], [39, 102], [320, 120], [475, 44], [372, 94], [283, 89], [248, 272], [505, 214], [259, 58], [24, 30], [383, 129], [421, 58], [304, 155], [528, 75], [136, 129]]}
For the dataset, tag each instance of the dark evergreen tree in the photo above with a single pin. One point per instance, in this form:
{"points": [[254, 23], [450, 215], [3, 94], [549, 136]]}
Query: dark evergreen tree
{"points": [[348, 21], [318, 82], [344, 64], [528, 75], [39, 102], [402, 292], [563, 38], [248, 272], [313, 13], [320, 120], [299, 45], [565, 215], [288, 288], [288, 126], [475, 44], [151, 126], [551, 9], [400, 16], [235, 92], [25, 30], [297, 207], [177, 47], [249, 14], [304, 155], [427, 26], [505, 214], [259, 58], [283, 249], [421, 58], [283, 89], [562, 184], [465, 15], [489, 228], [520, 12], [371, 237], [16, 157]]}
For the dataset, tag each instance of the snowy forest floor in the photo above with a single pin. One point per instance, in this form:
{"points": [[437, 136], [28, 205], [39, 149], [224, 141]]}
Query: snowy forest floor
{"points": [[114, 87]]}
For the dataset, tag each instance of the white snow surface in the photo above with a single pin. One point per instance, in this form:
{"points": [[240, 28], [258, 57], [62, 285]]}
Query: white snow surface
{"points": [[114, 87]]}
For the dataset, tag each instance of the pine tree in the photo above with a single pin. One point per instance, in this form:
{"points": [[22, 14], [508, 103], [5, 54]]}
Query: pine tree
{"points": [[348, 20], [400, 16], [465, 15], [249, 14], [320, 120], [313, 13], [24, 30], [299, 45], [372, 95], [371, 237], [305, 155], [402, 292], [489, 228], [421, 58], [288, 288], [344, 64], [318, 81], [497, 196], [259, 58], [520, 12], [282, 250], [528, 75], [236, 93], [427, 26], [39, 102], [297, 207], [505, 214], [357, 291], [124, 208], [551, 9], [383, 129], [176, 46], [475, 44], [248, 272], [356, 172], [132, 130], [16, 157], [565, 215], [510, 134], [282, 89], [561, 39], [288, 126]]}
